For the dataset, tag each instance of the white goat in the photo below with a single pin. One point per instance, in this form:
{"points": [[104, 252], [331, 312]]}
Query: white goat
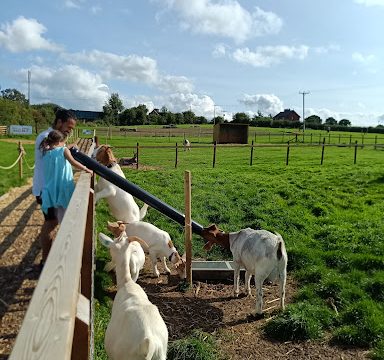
{"points": [[186, 144], [260, 252], [137, 255], [121, 204], [159, 244], [136, 329]]}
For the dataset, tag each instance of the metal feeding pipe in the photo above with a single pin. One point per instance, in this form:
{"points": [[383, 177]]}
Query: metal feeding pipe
{"points": [[133, 189]]}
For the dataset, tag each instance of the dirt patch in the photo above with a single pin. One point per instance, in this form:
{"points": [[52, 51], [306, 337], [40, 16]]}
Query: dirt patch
{"points": [[25, 141], [209, 306]]}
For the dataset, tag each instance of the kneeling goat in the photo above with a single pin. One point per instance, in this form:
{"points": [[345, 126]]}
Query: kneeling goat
{"points": [[137, 256], [260, 252], [159, 243], [136, 329]]}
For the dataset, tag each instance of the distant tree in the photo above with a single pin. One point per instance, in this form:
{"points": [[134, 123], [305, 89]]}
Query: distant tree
{"points": [[218, 120], [112, 108], [189, 117], [313, 119], [201, 120], [344, 122], [331, 121], [179, 118], [14, 95], [241, 118]]}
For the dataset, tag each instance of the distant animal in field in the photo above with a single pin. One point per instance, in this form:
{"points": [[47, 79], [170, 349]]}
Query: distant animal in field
{"points": [[186, 144]]}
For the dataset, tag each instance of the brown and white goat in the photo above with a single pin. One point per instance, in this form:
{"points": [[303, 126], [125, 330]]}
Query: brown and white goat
{"points": [[260, 252], [159, 243], [121, 204]]}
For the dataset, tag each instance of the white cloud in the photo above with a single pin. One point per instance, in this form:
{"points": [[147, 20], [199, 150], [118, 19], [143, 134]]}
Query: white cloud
{"points": [[25, 35], [68, 86], [219, 50], [363, 59], [74, 4], [134, 68], [225, 18], [370, 2], [265, 56], [201, 105], [265, 103]]}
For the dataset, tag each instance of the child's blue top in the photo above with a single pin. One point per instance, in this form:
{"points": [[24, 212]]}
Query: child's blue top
{"points": [[58, 180]]}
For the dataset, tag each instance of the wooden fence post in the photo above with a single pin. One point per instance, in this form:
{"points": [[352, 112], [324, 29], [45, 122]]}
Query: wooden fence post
{"points": [[375, 142], [355, 156], [21, 154], [176, 157], [322, 152], [251, 154], [188, 227], [287, 160], [214, 154], [137, 156]]}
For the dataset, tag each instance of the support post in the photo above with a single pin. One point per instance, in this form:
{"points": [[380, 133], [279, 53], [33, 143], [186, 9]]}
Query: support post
{"points": [[287, 160], [176, 156], [322, 152], [21, 152], [188, 227], [214, 154], [137, 156], [354, 159], [251, 154]]}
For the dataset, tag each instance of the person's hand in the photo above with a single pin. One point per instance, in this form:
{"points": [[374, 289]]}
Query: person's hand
{"points": [[89, 171]]}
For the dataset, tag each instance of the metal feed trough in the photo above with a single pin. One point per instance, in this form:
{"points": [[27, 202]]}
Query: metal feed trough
{"points": [[213, 270]]}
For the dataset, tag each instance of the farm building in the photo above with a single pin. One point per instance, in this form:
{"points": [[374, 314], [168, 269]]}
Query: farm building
{"points": [[228, 133], [287, 114], [88, 115]]}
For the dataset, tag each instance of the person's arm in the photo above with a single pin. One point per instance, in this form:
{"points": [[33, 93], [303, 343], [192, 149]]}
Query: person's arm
{"points": [[74, 162]]}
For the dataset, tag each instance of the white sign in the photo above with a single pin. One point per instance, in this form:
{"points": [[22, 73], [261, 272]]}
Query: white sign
{"points": [[87, 132], [20, 130]]}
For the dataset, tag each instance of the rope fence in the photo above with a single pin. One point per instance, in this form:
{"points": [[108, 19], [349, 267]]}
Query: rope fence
{"points": [[19, 160]]}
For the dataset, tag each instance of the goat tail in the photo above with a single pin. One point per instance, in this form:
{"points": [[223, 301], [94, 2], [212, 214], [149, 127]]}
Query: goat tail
{"points": [[143, 211], [280, 246], [147, 349]]}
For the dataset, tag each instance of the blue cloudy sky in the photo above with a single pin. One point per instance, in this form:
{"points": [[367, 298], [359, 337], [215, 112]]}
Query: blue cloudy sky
{"points": [[207, 56]]}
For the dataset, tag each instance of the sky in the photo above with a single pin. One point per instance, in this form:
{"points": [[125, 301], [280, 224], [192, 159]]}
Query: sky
{"points": [[213, 57]]}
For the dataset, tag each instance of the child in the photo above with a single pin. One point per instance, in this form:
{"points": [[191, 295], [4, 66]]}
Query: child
{"points": [[58, 176]]}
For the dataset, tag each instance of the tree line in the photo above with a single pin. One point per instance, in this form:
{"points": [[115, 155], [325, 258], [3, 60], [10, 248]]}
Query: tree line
{"points": [[16, 110]]}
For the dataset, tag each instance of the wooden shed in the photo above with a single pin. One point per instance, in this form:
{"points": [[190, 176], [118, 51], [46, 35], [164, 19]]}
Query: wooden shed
{"points": [[228, 133]]}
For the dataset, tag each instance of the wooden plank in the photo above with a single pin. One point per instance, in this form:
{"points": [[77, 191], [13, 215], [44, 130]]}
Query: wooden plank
{"points": [[48, 327]]}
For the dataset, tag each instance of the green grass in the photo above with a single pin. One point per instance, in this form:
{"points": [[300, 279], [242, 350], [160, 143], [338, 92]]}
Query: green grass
{"points": [[9, 154], [330, 216]]}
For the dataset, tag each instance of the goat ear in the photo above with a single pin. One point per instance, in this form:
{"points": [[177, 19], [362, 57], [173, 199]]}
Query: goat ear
{"points": [[208, 246], [105, 240], [184, 257], [113, 224]]}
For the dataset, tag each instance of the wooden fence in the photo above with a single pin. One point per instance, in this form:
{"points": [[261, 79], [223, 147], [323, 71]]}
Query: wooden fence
{"points": [[198, 134], [216, 148], [58, 323]]}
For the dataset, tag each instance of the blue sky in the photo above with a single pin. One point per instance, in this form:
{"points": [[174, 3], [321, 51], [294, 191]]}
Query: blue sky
{"points": [[207, 56]]}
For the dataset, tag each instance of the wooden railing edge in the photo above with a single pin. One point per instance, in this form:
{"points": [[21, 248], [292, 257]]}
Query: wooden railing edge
{"points": [[59, 316]]}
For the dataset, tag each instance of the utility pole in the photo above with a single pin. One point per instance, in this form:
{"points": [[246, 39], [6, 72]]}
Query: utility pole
{"points": [[29, 87], [303, 93]]}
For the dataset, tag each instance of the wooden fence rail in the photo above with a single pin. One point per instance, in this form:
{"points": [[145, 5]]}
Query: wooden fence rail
{"points": [[214, 147], [58, 322]]}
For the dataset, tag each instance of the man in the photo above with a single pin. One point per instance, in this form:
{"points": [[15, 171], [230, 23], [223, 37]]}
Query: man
{"points": [[65, 121]]}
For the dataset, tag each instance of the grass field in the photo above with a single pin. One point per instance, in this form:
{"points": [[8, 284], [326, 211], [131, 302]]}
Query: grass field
{"points": [[9, 154], [330, 215]]}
